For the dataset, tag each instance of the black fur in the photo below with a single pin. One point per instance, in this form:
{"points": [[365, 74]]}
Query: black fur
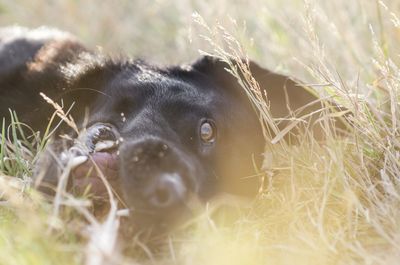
{"points": [[163, 108]]}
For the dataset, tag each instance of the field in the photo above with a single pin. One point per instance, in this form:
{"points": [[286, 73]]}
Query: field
{"points": [[331, 202]]}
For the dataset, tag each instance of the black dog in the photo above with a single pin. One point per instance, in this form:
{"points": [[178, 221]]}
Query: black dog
{"points": [[175, 132]]}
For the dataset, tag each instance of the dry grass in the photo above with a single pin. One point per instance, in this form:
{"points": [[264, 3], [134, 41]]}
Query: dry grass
{"points": [[336, 202]]}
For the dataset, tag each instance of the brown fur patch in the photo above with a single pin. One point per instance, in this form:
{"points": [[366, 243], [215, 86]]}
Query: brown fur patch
{"points": [[56, 52]]}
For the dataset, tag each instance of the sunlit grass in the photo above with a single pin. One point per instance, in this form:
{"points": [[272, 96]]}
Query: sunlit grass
{"points": [[332, 202]]}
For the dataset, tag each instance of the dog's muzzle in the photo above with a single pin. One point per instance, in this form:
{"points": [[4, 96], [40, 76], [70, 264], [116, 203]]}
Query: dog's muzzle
{"points": [[154, 175]]}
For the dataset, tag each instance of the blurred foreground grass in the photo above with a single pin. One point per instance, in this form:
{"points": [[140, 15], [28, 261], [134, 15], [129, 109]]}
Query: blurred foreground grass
{"points": [[336, 202]]}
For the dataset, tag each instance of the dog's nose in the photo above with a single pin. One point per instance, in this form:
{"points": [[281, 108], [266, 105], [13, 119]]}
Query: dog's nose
{"points": [[147, 151], [167, 190]]}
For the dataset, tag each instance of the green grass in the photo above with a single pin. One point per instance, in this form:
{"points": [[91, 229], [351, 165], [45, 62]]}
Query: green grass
{"points": [[336, 202], [25, 234]]}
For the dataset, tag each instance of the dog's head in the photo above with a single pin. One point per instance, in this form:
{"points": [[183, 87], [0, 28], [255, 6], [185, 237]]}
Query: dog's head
{"points": [[175, 132]]}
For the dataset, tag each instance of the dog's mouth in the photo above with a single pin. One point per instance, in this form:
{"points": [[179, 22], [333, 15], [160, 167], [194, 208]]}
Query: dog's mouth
{"points": [[100, 144]]}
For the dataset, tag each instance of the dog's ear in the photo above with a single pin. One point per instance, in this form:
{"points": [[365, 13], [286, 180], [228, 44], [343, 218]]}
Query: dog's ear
{"points": [[282, 92], [30, 62]]}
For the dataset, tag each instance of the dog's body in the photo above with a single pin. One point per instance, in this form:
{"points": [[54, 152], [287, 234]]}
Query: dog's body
{"points": [[179, 130]]}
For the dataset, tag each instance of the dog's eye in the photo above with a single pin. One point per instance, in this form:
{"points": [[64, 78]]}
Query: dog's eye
{"points": [[208, 132]]}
